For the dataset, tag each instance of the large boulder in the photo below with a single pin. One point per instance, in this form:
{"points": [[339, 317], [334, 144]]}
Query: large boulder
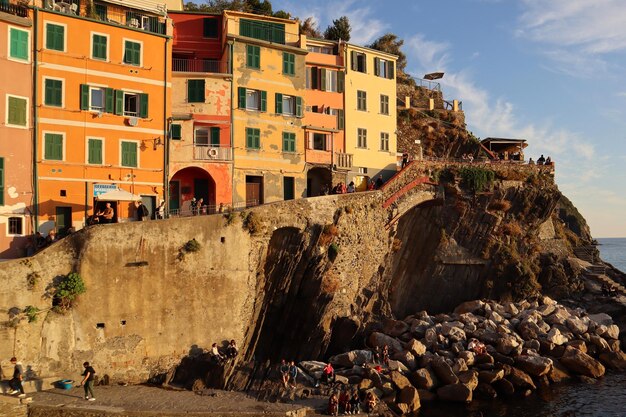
{"points": [[504, 387], [519, 378], [468, 356], [489, 377], [555, 336], [423, 378], [533, 364], [601, 319], [614, 360], [381, 339], [578, 344], [600, 343], [419, 327], [473, 306], [410, 396], [507, 344], [365, 384], [399, 380], [469, 379], [612, 332], [444, 371], [395, 365], [354, 357], [577, 325], [455, 393], [559, 316], [558, 373], [426, 396], [416, 347], [395, 328], [485, 391], [406, 358], [581, 363]]}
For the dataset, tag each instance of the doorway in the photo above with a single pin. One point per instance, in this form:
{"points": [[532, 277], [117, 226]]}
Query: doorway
{"points": [[150, 202], [63, 219], [254, 190], [289, 190], [174, 195]]}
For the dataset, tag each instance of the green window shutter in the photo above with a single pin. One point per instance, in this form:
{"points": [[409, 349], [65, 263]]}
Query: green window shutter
{"points": [[253, 138], [353, 61], [263, 100], [314, 78], [132, 53], [54, 37], [376, 66], [289, 142], [99, 47], [19, 44], [215, 136], [1, 181], [391, 70], [285, 142], [143, 105], [177, 133], [241, 92], [109, 100], [257, 57], [257, 138], [341, 81], [95, 151], [253, 56], [289, 63], [84, 97], [195, 91], [323, 79], [53, 93], [129, 154], [279, 103], [340, 119], [17, 111], [299, 106], [53, 147], [119, 102]]}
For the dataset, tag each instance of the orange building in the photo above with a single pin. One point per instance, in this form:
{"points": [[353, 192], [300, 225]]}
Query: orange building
{"points": [[102, 89], [324, 118], [16, 190], [200, 149]]}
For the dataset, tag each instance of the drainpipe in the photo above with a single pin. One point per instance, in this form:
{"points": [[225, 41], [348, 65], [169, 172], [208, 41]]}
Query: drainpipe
{"points": [[166, 140], [35, 124], [232, 120]]}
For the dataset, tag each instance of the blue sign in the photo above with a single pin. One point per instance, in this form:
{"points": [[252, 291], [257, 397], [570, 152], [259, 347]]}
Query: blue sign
{"points": [[99, 189]]}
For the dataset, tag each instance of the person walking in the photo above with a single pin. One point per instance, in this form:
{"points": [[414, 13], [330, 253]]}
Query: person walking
{"points": [[87, 382], [18, 376], [293, 374]]}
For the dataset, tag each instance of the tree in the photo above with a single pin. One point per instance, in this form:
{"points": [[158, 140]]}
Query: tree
{"points": [[309, 28], [282, 14], [340, 29], [391, 44]]}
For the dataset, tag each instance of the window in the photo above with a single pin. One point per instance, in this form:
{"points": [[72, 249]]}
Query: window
{"points": [[288, 105], [383, 68], [265, 31], [361, 100], [15, 226], [210, 28], [319, 141], [207, 136], [384, 104], [289, 64], [321, 50], [195, 91], [132, 53], [101, 11], [99, 47], [55, 37], [176, 132], [358, 61], [253, 138], [289, 142], [134, 104], [129, 154], [384, 141], [94, 151], [252, 99], [53, 146], [329, 81], [253, 56], [17, 114], [18, 44], [1, 181], [53, 92], [361, 138], [97, 99]]}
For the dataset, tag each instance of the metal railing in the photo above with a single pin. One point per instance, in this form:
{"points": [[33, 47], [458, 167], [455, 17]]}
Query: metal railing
{"points": [[14, 9], [431, 85], [209, 209], [449, 105], [212, 153], [200, 65], [343, 160]]}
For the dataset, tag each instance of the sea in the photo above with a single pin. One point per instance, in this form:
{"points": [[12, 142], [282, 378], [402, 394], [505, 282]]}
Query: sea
{"points": [[605, 398]]}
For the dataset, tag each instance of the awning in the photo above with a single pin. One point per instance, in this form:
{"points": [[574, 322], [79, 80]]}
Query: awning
{"points": [[118, 195]]}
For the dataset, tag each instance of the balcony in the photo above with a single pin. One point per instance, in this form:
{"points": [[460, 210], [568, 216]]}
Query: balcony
{"points": [[200, 65], [14, 9], [343, 160], [212, 153]]}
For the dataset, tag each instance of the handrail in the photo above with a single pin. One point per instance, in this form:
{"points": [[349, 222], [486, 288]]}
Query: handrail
{"points": [[15, 9]]}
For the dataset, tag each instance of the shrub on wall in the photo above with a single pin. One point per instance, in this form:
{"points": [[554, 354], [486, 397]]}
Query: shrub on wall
{"points": [[476, 179], [333, 251], [252, 222], [68, 289], [31, 312]]}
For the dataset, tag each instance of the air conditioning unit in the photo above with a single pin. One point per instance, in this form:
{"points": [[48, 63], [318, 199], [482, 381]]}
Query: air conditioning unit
{"points": [[132, 121]]}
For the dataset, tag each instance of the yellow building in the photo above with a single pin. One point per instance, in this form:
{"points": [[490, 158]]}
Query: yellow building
{"points": [[370, 113], [268, 106]]}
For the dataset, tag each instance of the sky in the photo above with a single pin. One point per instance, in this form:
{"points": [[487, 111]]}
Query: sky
{"points": [[552, 72]]}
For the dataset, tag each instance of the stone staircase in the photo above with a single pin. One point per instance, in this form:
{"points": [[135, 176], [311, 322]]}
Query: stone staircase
{"points": [[586, 253]]}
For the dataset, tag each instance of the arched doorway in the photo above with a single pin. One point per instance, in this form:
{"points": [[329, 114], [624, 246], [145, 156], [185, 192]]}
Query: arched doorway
{"points": [[318, 179], [188, 183]]}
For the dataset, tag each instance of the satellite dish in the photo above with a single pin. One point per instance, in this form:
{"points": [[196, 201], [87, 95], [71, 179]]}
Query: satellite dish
{"points": [[133, 121]]}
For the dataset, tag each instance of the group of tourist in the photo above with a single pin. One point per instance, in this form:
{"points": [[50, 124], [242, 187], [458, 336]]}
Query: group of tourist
{"points": [[219, 358], [541, 161], [609, 290], [288, 373], [349, 403]]}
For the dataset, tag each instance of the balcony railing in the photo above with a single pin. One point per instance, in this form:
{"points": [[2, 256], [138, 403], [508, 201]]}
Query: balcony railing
{"points": [[199, 65], [431, 85], [14, 9], [212, 153], [449, 105], [343, 160]]}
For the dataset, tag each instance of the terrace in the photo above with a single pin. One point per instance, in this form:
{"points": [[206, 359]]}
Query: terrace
{"points": [[14, 9]]}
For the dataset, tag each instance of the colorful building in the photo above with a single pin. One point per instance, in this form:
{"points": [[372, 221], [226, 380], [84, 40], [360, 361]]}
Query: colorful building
{"points": [[324, 117], [16, 90], [268, 93], [370, 109], [103, 83], [200, 148]]}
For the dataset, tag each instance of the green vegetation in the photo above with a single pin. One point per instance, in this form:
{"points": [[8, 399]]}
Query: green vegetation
{"points": [[31, 312], [333, 251], [67, 290], [340, 29], [476, 179], [32, 280], [230, 218], [251, 221], [192, 246]]}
